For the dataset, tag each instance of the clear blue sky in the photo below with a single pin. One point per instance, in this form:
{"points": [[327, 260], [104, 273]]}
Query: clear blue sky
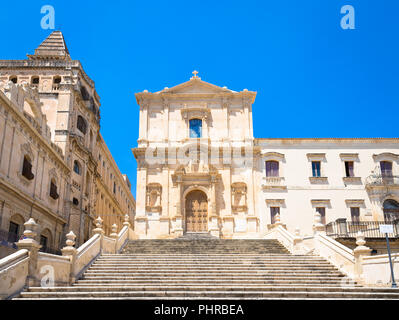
{"points": [[313, 78]]}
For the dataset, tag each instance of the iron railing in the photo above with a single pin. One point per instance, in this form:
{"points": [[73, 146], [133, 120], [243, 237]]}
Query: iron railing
{"points": [[370, 229], [382, 180]]}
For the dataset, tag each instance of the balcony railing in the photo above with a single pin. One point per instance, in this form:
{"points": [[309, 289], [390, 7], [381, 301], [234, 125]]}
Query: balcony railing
{"points": [[382, 180], [371, 229], [272, 182]]}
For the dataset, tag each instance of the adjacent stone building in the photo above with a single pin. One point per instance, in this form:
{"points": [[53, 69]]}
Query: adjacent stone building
{"points": [[54, 163], [200, 169]]}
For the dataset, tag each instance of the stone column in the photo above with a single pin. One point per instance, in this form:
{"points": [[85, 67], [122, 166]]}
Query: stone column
{"points": [[70, 251], [29, 243], [359, 252]]}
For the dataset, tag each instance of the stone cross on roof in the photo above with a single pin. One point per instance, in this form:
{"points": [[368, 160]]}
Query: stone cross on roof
{"points": [[195, 72]]}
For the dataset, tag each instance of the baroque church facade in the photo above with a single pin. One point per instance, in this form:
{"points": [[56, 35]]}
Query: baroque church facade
{"points": [[55, 166], [200, 169]]}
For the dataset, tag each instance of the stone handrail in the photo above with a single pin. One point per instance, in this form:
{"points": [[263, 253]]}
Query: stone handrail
{"points": [[108, 245], [122, 238], [376, 269], [86, 254], [292, 243], [85, 246], [13, 273], [336, 253], [30, 267]]}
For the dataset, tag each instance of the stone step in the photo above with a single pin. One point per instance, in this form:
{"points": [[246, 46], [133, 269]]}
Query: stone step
{"points": [[202, 255], [209, 265], [198, 288], [207, 282], [213, 294], [249, 264], [228, 277], [163, 274], [210, 261]]}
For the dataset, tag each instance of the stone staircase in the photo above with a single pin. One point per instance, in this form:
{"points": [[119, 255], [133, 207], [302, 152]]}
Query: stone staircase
{"points": [[201, 267]]}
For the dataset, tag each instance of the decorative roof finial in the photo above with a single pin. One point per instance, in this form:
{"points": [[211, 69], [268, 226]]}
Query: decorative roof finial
{"points": [[195, 72]]}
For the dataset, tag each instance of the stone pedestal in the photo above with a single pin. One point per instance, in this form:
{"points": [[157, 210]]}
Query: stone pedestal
{"points": [[164, 225], [228, 226], [214, 226], [359, 252], [29, 243], [178, 230], [252, 224], [70, 251], [141, 225]]}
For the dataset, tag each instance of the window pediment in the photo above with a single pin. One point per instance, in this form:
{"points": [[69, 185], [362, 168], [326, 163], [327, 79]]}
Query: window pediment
{"points": [[355, 203], [199, 111], [276, 156], [386, 156], [275, 202], [321, 203], [349, 156], [316, 156]]}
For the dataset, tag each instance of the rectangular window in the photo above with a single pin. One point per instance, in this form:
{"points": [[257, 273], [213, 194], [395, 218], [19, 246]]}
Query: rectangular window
{"points": [[27, 169], [273, 212], [322, 212], [386, 168], [349, 169], [316, 166], [272, 169], [355, 214]]}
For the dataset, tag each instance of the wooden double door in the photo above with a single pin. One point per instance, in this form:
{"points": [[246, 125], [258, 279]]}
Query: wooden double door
{"points": [[196, 212]]}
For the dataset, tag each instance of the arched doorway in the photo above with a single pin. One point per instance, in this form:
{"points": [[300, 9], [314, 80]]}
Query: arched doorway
{"points": [[196, 212], [391, 210]]}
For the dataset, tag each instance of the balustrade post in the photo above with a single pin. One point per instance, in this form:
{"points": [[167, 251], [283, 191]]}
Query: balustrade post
{"points": [[296, 246], [70, 251], [99, 230], [114, 236], [360, 252], [29, 243]]}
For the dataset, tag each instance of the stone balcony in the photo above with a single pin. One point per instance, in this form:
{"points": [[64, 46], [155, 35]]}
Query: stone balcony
{"points": [[378, 181], [273, 183]]}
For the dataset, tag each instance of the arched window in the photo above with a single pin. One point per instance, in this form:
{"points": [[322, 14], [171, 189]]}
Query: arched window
{"points": [[27, 168], [81, 124], [14, 79], [272, 168], [391, 210], [195, 128], [76, 167]]}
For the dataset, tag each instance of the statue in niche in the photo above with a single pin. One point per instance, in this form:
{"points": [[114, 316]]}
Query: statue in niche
{"points": [[239, 195], [154, 191]]}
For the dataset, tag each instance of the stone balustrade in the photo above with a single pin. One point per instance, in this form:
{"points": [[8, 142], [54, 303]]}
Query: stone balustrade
{"points": [[29, 267]]}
